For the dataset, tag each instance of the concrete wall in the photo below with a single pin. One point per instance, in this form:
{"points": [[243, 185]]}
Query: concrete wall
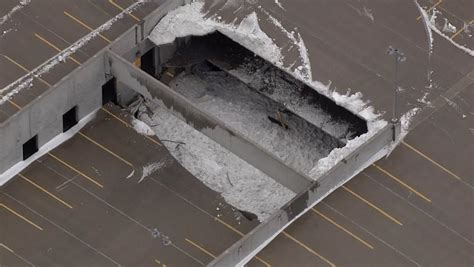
{"points": [[82, 87], [43, 116], [309, 193], [248, 246], [153, 89]]}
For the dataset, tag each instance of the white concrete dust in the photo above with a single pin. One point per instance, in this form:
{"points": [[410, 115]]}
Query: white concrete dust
{"points": [[142, 128], [246, 111], [240, 184], [287, 93], [150, 169]]}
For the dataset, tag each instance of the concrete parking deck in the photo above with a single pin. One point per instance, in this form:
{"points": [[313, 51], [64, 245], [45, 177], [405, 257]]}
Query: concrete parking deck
{"points": [[414, 208], [87, 203]]}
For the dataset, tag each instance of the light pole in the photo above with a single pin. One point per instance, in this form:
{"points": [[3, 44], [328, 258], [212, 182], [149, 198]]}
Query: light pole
{"points": [[399, 56]]}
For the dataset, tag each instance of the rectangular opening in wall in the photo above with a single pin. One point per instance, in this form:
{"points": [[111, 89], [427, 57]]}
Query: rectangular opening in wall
{"points": [[70, 119], [147, 62], [109, 91], [30, 147]]}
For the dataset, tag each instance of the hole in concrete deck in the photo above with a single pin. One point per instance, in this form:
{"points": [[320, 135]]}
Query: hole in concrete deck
{"points": [[263, 103], [265, 78], [30, 147], [253, 98], [70, 119]]}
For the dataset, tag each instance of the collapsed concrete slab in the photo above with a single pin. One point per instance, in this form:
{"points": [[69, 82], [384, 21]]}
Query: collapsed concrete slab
{"points": [[185, 101]]}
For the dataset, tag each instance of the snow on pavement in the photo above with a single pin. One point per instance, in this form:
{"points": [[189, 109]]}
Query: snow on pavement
{"points": [[26, 80]]}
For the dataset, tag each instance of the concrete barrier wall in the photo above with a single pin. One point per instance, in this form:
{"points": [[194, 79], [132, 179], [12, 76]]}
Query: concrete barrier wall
{"points": [[134, 40], [151, 88], [43, 116], [82, 87], [309, 193], [248, 246]]}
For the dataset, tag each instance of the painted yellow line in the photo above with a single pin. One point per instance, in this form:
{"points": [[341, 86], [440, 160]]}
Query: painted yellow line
{"points": [[241, 234], [128, 125], [427, 11], [264, 262], [14, 104], [6, 247], [138, 62], [229, 226], [86, 26], [24, 68], [11, 102], [119, 119], [159, 262], [402, 183], [201, 248], [22, 217], [457, 33], [169, 74], [45, 191], [122, 9], [431, 160], [372, 205], [106, 149], [450, 13], [55, 47], [76, 170], [312, 251], [343, 228], [461, 30]]}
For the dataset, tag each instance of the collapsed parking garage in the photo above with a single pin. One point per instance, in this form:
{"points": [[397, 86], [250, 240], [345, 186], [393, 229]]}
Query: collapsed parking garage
{"points": [[196, 138]]}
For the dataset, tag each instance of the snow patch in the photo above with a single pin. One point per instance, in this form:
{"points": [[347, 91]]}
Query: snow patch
{"points": [[142, 128], [338, 154], [405, 121], [366, 12], [448, 27], [424, 100], [278, 3], [10, 13], [5, 32], [429, 33], [150, 169], [188, 20], [131, 174], [430, 21]]}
